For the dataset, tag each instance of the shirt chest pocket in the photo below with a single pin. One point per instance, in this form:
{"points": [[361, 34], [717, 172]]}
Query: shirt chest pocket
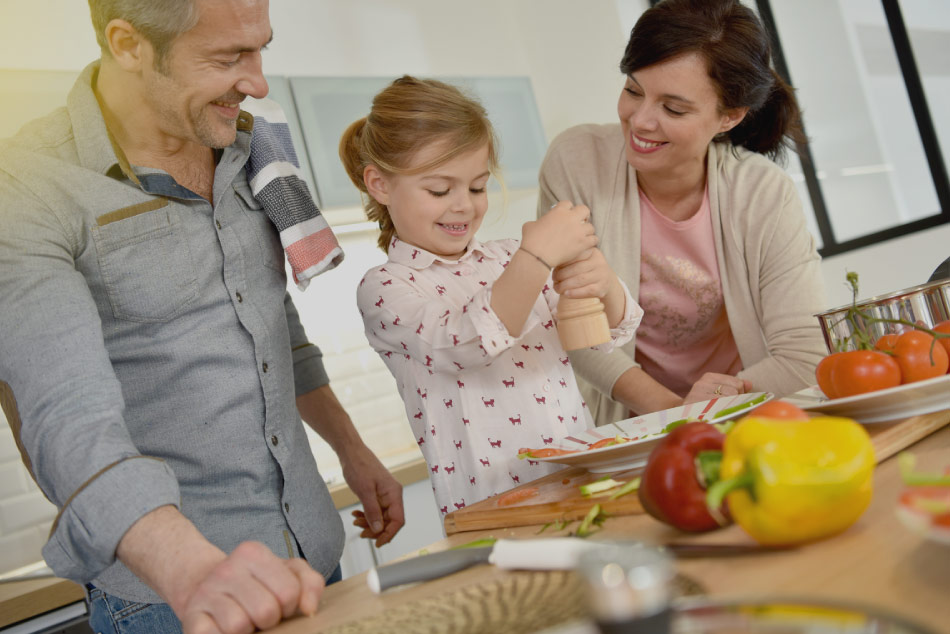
{"points": [[145, 262], [262, 229]]}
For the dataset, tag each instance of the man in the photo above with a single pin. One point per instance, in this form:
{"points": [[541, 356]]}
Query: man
{"points": [[151, 347]]}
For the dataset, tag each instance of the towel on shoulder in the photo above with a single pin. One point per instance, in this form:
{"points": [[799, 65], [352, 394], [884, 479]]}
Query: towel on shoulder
{"points": [[276, 181]]}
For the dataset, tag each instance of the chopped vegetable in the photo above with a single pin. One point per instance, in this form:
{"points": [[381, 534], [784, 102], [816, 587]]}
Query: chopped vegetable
{"points": [[594, 517], [674, 425], [907, 461], [629, 487], [741, 406], [604, 484], [546, 452], [478, 543], [516, 496], [608, 442]]}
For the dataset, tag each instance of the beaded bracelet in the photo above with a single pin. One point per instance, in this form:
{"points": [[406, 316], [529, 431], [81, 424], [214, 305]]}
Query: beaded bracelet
{"points": [[548, 266]]}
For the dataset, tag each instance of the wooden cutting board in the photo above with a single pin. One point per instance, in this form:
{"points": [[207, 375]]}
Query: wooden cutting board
{"points": [[558, 494]]}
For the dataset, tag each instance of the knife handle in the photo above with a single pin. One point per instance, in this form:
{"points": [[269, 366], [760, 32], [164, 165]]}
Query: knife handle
{"points": [[425, 567]]}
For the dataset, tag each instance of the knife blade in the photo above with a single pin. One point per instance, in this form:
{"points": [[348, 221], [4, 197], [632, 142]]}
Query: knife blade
{"points": [[557, 553]]}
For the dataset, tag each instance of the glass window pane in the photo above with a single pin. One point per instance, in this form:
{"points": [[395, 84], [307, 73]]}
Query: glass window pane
{"points": [[928, 25], [864, 140]]}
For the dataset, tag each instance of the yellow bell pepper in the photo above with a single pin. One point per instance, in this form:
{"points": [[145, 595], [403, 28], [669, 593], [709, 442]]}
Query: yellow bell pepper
{"points": [[790, 482]]}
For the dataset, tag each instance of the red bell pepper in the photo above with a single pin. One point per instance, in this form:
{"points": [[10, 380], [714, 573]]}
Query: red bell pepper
{"points": [[673, 486]]}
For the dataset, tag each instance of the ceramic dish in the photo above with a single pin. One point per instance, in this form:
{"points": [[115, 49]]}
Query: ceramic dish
{"points": [[646, 431], [903, 401]]}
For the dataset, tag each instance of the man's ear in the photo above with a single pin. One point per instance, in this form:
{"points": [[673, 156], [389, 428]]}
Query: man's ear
{"points": [[732, 117], [376, 184], [127, 46]]}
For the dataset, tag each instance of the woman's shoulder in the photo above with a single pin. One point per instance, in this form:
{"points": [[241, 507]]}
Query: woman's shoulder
{"points": [[588, 137]]}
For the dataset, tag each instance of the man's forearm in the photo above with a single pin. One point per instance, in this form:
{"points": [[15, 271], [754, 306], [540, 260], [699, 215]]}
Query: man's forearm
{"points": [[321, 410], [166, 551]]}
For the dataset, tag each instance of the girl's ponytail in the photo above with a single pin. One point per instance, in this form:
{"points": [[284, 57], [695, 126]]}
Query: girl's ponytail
{"points": [[352, 156]]}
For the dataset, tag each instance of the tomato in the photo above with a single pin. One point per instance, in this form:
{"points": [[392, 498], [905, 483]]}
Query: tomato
{"points": [[944, 327], [780, 410], [913, 350], [860, 371], [823, 374]]}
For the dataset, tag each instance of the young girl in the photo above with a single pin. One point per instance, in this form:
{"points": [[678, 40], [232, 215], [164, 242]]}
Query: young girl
{"points": [[467, 328]]}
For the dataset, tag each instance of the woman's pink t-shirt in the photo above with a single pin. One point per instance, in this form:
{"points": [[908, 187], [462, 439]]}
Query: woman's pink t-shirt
{"points": [[684, 332]]}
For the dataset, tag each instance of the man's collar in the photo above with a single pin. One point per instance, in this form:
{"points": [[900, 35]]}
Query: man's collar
{"points": [[404, 253]]}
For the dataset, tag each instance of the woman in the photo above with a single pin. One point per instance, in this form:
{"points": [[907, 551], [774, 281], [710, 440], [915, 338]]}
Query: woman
{"points": [[694, 218]]}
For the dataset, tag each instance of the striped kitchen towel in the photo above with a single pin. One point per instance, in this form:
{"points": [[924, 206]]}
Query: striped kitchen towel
{"points": [[276, 181]]}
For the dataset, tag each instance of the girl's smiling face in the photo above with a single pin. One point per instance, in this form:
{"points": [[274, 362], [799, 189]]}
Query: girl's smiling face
{"points": [[670, 113], [439, 209]]}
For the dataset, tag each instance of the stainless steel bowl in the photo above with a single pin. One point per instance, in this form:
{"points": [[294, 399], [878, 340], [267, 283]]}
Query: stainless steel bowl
{"points": [[926, 305]]}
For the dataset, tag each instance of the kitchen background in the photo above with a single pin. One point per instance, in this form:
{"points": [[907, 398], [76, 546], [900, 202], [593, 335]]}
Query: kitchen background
{"points": [[867, 152]]}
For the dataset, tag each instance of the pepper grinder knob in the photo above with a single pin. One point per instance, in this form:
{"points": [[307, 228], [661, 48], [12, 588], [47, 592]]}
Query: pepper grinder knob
{"points": [[581, 323]]}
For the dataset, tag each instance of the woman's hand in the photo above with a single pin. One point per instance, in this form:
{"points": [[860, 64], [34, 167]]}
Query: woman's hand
{"points": [[712, 385], [562, 235]]}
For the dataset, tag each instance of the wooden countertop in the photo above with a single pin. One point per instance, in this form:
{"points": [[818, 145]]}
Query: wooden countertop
{"points": [[21, 600], [877, 563]]}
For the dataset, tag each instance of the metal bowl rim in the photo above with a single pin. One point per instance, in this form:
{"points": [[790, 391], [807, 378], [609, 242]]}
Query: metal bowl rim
{"points": [[888, 296]]}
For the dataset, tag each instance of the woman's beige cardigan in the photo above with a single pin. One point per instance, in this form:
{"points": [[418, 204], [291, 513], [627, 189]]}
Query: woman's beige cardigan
{"points": [[771, 275]]}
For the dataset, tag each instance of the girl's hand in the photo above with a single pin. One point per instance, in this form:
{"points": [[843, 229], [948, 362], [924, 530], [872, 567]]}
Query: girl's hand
{"points": [[712, 385], [562, 235], [587, 277]]}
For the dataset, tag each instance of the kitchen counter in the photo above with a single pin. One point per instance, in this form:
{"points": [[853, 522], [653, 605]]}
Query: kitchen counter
{"points": [[877, 563], [21, 600]]}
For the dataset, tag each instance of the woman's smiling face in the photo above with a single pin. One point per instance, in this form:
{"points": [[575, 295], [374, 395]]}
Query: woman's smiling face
{"points": [[670, 113]]}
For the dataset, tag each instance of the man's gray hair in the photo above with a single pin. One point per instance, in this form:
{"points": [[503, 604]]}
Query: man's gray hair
{"points": [[159, 21]]}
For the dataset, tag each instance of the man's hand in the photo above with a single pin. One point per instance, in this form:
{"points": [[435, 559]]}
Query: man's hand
{"points": [[383, 514], [209, 591], [252, 589]]}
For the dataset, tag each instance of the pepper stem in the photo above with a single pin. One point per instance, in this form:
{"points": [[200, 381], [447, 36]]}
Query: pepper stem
{"points": [[721, 488]]}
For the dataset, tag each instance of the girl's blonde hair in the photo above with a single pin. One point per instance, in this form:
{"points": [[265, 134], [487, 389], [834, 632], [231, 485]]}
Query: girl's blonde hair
{"points": [[406, 116]]}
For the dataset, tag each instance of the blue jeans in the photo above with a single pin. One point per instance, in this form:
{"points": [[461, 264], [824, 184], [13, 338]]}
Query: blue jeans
{"points": [[109, 614]]}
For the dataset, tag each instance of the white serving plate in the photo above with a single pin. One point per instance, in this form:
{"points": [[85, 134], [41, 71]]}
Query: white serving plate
{"points": [[902, 401], [648, 432]]}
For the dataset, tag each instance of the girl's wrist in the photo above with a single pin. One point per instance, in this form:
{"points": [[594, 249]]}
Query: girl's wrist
{"points": [[536, 257]]}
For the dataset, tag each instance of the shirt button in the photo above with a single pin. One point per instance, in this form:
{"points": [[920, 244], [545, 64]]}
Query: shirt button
{"points": [[217, 223], [287, 506], [239, 298], [273, 440], [264, 367]]}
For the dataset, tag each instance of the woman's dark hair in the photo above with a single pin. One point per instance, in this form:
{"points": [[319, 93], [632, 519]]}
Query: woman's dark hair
{"points": [[736, 49]]}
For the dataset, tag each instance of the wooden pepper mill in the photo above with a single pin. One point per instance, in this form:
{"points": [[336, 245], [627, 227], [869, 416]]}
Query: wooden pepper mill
{"points": [[581, 323]]}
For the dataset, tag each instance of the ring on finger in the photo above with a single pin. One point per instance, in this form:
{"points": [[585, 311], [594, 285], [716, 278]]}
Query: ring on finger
{"points": [[718, 390]]}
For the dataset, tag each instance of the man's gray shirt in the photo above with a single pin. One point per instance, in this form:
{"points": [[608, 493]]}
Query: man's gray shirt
{"points": [[153, 351]]}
